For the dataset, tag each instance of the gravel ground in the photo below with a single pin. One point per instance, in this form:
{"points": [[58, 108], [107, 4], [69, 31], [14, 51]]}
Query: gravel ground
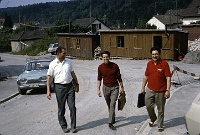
{"points": [[92, 112]]}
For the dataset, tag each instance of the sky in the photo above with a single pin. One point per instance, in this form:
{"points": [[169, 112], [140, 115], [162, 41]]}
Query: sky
{"points": [[16, 3]]}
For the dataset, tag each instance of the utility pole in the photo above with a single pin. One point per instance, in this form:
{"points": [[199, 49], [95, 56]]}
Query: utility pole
{"points": [[170, 12], [90, 12], [176, 13], [90, 15], [69, 23], [19, 20]]}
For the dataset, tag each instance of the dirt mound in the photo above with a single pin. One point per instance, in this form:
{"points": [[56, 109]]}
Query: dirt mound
{"points": [[192, 57]]}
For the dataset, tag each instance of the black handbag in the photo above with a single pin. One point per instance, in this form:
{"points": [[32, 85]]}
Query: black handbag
{"points": [[141, 100]]}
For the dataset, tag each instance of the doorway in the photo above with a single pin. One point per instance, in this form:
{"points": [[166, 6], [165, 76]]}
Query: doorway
{"points": [[158, 41]]}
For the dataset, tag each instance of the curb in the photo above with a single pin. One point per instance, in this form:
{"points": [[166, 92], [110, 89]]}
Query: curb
{"points": [[8, 98]]}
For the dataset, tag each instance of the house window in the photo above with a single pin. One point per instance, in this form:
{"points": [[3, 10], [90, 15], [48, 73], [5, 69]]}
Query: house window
{"points": [[199, 10], [78, 43], [120, 41], [100, 26]]}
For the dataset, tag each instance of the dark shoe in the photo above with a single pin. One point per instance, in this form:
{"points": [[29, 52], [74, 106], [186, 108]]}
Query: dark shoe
{"points": [[151, 124], [160, 129], [111, 126], [65, 130], [74, 130]]}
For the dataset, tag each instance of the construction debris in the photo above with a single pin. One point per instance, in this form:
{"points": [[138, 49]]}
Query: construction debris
{"points": [[97, 53], [194, 45], [193, 55]]}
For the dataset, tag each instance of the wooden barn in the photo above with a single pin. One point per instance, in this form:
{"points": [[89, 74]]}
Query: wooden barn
{"points": [[136, 43], [79, 44]]}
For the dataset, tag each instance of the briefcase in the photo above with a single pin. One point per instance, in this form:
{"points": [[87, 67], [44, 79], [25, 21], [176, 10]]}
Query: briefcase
{"points": [[141, 100], [75, 86], [121, 101]]}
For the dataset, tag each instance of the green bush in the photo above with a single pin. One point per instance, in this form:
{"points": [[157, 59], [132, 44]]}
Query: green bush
{"points": [[41, 45]]}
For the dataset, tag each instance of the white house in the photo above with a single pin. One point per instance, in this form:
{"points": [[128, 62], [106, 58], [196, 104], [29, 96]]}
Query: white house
{"points": [[171, 19], [191, 13], [177, 18], [25, 38], [92, 24]]}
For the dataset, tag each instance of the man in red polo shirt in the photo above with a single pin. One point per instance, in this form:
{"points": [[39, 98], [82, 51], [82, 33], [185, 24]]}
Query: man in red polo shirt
{"points": [[158, 79], [110, 73]]}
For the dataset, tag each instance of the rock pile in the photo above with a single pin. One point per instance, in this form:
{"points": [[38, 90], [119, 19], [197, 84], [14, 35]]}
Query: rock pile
{"points": [[193, 55]]}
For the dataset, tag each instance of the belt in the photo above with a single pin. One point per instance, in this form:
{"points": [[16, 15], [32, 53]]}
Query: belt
{"points": [[63, 84]]}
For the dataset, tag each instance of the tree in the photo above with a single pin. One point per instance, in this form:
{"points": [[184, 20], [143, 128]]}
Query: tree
{"points": [[149, 26], [8, 22]]}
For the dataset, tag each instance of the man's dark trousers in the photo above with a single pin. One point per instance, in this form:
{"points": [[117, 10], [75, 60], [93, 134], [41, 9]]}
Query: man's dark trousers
{"points": [[65, 92]]}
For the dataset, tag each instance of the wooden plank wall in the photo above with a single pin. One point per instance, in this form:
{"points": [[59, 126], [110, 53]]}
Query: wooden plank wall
{"points": [[137, 45], [79, 45]]}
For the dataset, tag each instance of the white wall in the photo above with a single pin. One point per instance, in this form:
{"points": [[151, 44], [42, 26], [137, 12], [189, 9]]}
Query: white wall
{"points": [[17, 46], [187, 21], [157, 23], [103, 27]]}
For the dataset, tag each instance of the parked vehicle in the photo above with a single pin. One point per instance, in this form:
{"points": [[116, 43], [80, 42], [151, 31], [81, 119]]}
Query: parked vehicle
{"points": [[34, 75], [52, 48]]}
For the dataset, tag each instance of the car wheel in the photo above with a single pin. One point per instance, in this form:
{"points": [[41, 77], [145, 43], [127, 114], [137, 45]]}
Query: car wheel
{"points": [[52, 53], [22, 92]]}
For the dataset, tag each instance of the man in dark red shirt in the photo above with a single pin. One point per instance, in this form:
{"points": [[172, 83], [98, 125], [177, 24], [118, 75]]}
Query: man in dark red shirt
{"points": [[158, 76], [110, 73]]}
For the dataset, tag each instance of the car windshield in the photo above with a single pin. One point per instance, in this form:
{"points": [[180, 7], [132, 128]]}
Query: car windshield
{"points": [[37, 65], [55, 45]]}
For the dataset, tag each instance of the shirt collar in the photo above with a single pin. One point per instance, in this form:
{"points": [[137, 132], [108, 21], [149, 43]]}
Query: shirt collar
{"points": [[152, 61], [57, 61]]}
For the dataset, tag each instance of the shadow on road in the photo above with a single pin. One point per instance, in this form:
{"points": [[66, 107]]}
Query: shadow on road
{"points": [[127, 121], [174, 122], [36, 91]]}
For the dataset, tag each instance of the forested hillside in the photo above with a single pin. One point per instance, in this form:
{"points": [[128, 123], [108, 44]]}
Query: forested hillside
{"points": [[126, 13]]}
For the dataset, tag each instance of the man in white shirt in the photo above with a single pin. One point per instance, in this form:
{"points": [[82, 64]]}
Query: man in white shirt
{"points": [[62, 70]]}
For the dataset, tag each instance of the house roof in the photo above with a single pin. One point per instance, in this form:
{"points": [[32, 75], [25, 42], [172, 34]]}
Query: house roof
{"points": [[165, 19], [29, 35], [84, 22], [178, 12], [140, 30], [192, 9]]}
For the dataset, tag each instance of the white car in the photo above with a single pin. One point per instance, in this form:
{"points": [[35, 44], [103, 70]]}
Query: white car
{"points": [[34, 76], [52, 48]]}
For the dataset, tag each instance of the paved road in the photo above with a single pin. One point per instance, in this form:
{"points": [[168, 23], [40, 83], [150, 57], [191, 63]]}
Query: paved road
{"points": [[33, 114]]}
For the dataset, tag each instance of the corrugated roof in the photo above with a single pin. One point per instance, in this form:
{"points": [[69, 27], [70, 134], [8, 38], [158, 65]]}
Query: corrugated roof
{"points": [[140, 30], [178, 12], [29, 35], [84, 22], [192, 9], [167, 19]]}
